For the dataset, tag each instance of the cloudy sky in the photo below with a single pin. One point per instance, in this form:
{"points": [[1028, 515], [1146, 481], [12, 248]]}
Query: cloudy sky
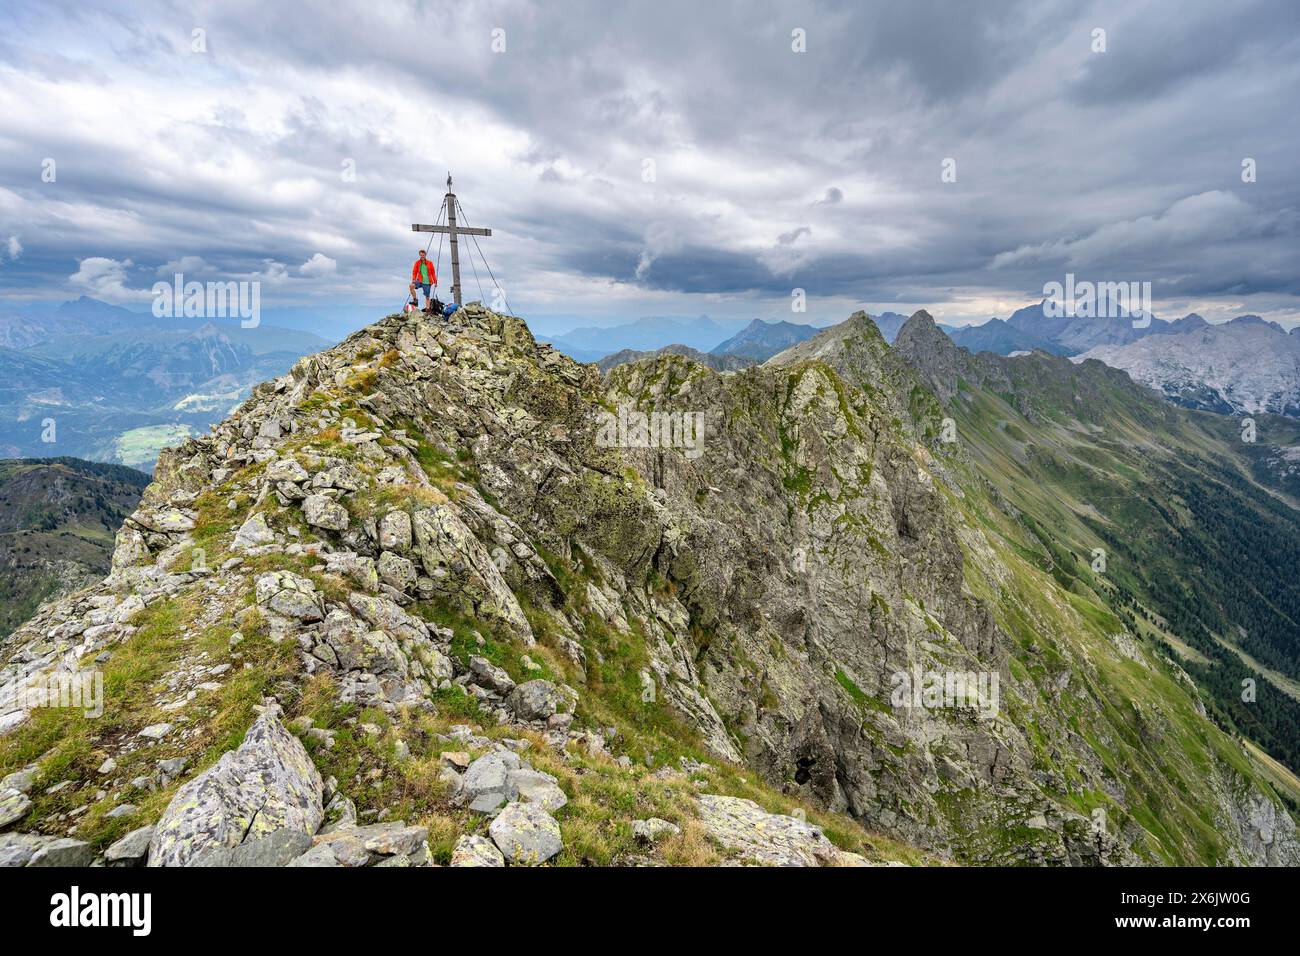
{"points": [[658, 158]]}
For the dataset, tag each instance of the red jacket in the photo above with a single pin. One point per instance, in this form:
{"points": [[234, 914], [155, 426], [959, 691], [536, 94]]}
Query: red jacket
{"points": [[415, 272]]}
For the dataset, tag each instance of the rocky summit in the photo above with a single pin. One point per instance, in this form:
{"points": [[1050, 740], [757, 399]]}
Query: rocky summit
{"points": [[441, 595]]}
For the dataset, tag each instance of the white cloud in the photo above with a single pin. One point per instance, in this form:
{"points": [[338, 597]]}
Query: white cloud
{"points": [[661, 238], [185, 265], [275, 272], [106, 279], [15, 248], [318, 266]]}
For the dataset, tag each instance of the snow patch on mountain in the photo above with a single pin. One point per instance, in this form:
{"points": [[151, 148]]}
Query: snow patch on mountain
{"points": [[1246, 366]]}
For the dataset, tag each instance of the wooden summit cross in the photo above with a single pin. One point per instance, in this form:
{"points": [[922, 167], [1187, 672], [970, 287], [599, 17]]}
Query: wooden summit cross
{"points": [[452, 230]]}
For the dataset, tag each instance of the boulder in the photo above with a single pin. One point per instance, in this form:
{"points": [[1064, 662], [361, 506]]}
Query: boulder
{"points": [[526, 834], [385, 615], [253, 533], [471, 850], [16, 849], [322, 511], [62, 852], [289, 594], [396, 571], [484, 785], [487, 674], [534, 700], [37, 849], [269, 783], [14, 805], [769, 839], [20, 780], [131, 850], [278, 848], [286, 469], [452, 556], [653, 830], [395, 531], [378, 844], [533, 786]]}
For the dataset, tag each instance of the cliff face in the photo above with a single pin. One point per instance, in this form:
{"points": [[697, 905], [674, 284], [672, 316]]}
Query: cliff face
{"points": [[777, 563]]}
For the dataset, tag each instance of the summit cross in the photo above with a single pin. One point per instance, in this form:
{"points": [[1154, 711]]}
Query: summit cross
{"points": [[452, 230]]}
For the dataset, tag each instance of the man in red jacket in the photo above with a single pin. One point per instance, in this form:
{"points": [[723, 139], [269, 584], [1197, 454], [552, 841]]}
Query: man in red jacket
{"points": [[424, 278]]}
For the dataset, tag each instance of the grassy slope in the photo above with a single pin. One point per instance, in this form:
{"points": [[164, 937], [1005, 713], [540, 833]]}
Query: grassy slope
{"points": [[1194, 543]]}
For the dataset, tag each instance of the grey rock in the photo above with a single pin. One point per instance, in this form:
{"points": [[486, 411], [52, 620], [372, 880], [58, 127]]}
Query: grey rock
{"points": [[473, 850], [62, 851], [533, 786], [373, 844], [534, 700], [484, 784], [322, 511], [769, 839], [487, 674], [17, 849], [319, 855], [253, 533], [396, 571], [21, 780], [277, 848], [395, 531], [654, 829], [14, 805], [131, 850], [269, 783], [289, 594], [286, 469], [526, 834]]}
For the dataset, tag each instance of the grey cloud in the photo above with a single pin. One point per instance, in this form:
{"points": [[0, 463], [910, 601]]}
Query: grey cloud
{"points": [[1065, 159]]}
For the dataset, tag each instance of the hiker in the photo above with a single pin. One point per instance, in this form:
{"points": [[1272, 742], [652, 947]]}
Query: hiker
{"points": [[424, 278]]}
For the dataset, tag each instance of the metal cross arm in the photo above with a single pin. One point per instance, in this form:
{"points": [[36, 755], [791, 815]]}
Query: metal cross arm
{"points": [[450, 230]]}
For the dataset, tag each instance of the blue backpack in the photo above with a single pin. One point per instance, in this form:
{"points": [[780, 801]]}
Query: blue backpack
{"points": [[449, 309]]}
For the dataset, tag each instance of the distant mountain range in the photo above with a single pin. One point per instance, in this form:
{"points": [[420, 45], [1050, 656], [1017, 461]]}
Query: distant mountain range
{"points": [[1032, 328], [591, 343], [889, 323], [97, 381], [760, 340], [1246, 366], [722, 363]]}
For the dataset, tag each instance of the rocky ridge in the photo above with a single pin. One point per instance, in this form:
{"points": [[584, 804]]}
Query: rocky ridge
{"points": [[418, 545]]}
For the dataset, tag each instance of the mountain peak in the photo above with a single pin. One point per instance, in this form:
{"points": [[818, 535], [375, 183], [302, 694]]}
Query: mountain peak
{"points": [[761, 340]]}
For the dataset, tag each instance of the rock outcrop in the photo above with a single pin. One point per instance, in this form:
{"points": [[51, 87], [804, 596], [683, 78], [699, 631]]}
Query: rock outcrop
{"points": [[264, 790]]}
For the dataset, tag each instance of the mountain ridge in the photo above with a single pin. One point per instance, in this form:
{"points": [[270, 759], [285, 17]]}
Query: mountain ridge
{"points": [[456, 509]]}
